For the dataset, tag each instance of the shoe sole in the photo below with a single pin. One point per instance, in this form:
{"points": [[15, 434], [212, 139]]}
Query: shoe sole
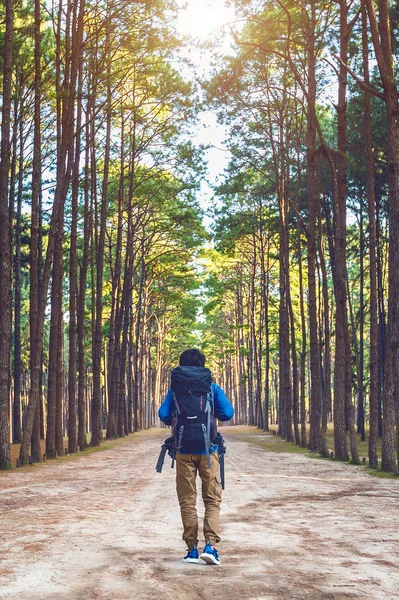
{"points": [[210, 559], [191, 560]]}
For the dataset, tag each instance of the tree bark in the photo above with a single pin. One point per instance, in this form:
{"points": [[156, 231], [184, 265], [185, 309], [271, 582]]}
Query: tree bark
{"points": [[303, 345], [360, 374], [73, 273], [97, 342], [342, 345], [373, 394], [315, 381], [381, 36], [5, 255], [17, 431]]}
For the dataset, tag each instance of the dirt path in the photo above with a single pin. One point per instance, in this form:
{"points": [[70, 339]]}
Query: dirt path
{"points": [[107, 527]]}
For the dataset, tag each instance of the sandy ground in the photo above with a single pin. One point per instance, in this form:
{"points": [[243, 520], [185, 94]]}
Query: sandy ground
{"points": [[107, 527]]}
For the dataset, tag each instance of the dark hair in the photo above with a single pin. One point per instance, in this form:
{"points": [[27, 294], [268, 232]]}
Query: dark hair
{"points": [[192, 358]]}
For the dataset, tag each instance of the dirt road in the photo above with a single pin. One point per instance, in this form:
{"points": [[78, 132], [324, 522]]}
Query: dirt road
{"points": [[107, 527]]}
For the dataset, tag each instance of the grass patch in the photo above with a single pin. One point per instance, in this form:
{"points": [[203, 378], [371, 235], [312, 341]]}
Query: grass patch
{"points": [[363, 446], [104, 445], [274, 443], [270, 443], [380, 474]]}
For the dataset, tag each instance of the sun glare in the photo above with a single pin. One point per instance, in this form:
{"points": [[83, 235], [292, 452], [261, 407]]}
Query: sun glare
{"points": [[201, 18]]}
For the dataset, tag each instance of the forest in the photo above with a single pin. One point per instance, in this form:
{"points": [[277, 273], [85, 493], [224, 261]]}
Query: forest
{"points": [[108, 269]]}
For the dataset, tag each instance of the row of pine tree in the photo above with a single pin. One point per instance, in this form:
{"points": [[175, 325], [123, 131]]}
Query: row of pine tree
{"points": [[106, 269]]}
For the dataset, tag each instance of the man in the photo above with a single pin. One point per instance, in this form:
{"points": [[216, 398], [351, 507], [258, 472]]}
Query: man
{"points": [[204, 461]]}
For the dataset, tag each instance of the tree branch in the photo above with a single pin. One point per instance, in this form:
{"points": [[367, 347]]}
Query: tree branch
{"points": [[363, 85]]}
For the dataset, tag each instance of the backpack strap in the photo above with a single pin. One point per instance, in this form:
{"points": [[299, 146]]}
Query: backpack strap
{"points": [[181, 431], [211, 399], [221, 461], [207, 444], [178, 434], [174, 398], [161, 459], [208, 410]]}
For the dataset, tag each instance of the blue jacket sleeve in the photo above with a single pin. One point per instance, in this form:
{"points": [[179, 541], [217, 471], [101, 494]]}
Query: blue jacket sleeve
{"points": [[165, 410], [224, 411]]}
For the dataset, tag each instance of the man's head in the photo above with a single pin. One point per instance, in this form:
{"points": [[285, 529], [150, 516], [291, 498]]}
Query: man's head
{"points": [[192, 358]]}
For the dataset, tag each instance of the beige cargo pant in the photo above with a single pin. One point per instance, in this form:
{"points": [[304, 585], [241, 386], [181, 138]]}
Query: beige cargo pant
{"points": [[187, 466]]}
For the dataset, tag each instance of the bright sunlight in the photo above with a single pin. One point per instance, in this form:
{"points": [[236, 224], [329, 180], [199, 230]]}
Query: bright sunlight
{"points": [[201, 19]]}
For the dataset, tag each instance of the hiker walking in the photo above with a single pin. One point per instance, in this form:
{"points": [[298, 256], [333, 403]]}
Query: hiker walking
{"points": [[191, 406]]}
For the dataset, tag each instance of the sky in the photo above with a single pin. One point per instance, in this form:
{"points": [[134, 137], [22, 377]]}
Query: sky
{"points": [[203, 20]]}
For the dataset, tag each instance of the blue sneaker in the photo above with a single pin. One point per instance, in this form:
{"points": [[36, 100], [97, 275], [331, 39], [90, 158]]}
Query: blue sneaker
{"points": [[210, 555], [192, 556]]}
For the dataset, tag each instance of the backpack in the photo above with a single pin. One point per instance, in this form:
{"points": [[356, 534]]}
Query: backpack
{"points": [[194, 423]]}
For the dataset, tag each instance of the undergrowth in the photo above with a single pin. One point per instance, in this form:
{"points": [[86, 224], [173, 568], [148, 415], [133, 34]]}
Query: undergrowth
{"points": [[274, 443]]}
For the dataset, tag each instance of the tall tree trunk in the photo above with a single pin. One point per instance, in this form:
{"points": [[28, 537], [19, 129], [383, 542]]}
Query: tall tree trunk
{"points": [[342, 345], [295, 380], [55, 354], [360, 374], [87, 217], [130, 380], [15, 371], [5, 255], [351, 408], [97, 343], [17, 432], [265, 295], [373, 394], [114, 327], [59, 405], [57, 272], [258, 417], [382, 327], [35, 245], [303, 345], [136, 387], [381, 36], [73, 281], [327, 400], [315, 381]]}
